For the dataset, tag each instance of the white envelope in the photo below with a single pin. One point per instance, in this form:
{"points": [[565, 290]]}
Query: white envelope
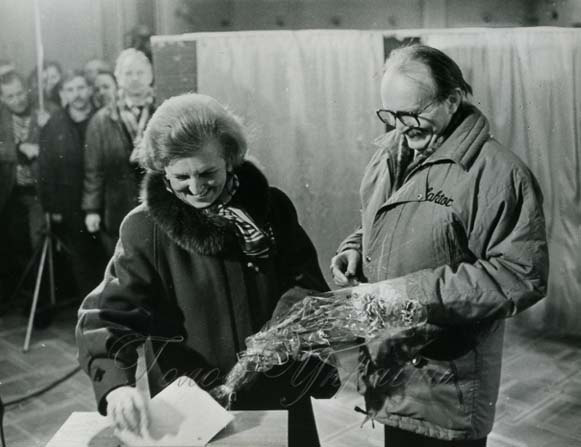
{"points": [[181, 415]]}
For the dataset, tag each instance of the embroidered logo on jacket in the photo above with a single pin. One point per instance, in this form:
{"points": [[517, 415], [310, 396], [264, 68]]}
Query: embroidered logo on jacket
{"points": [[438, 198]]}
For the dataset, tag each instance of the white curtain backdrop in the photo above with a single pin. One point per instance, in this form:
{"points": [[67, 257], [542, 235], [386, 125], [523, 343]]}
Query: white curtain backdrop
{"points": [[309, 98]]}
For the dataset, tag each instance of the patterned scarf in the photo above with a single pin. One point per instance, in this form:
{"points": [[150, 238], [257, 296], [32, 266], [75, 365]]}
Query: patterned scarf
{"points": [[254, 241], [134, 116], [21, 128]]}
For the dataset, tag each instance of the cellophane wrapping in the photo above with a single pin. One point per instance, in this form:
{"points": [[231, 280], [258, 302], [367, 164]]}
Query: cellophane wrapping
{"points": [[319, 324]]}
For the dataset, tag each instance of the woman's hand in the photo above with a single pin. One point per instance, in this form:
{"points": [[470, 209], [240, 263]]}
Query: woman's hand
{"points": [[345, 266], [129, 410]]}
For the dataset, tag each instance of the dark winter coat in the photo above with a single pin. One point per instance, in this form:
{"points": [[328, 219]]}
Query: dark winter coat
{"points": [[8, 152], [466, 233], [61, 167], [111, 186], [179, 277]]}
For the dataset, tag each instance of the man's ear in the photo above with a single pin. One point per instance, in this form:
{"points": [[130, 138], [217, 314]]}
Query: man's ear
{"points": [[454, 100]]}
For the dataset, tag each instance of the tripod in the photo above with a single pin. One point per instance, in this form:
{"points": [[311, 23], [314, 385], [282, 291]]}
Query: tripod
{"points": [[44, 249]]}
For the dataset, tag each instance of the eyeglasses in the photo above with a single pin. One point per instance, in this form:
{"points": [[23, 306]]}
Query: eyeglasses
{"points": [[408, 119]]}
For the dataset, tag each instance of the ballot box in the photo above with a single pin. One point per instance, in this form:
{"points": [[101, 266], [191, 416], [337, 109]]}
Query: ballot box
{"points": [[248, 429], [338, 424]]}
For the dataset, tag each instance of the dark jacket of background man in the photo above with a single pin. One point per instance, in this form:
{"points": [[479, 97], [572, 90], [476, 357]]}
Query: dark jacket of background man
{"points": [[61, 167], [61, 175], [9, 155], [21, 216]]}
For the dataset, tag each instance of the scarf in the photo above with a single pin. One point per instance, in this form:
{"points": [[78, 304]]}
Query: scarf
{"points": [[21, 127], [254, 241], [134, 116]]}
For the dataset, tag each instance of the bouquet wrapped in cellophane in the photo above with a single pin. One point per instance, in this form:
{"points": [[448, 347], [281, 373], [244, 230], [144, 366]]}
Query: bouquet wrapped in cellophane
{"points": [[319, 325]]}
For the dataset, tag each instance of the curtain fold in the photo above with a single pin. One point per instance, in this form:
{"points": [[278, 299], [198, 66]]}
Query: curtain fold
{"points": [[309, 98]]}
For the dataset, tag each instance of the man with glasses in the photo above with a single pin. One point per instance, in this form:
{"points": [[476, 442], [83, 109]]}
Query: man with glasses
{"points": [[454, 220]]}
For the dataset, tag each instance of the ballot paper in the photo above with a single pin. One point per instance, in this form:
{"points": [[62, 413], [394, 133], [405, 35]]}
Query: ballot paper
{"points": [[181, 415]]}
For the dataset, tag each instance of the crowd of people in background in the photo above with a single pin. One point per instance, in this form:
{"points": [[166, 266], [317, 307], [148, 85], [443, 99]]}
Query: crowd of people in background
{"points": [[66, 165]]}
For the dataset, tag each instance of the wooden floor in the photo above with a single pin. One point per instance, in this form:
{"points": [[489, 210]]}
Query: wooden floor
{"points": [[539, 405]]}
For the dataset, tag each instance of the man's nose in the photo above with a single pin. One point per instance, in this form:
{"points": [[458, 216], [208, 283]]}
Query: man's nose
{"points": [[401, 126]]}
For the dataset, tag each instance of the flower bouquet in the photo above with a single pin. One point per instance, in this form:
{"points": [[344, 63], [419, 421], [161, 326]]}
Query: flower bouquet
{"points": [[319, 325]]}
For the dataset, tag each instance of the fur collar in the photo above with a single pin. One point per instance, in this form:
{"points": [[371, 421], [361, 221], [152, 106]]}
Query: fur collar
{"points": [[196, 231]]}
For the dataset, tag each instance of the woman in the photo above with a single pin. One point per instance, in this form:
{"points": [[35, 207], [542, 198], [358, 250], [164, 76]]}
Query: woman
{"points": [[111, 185], [199, 266], [52, 74]]}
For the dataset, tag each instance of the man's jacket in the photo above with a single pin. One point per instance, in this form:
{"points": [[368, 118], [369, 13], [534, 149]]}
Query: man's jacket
{"points": [[465, 233], [61, 166], [8, 152]]}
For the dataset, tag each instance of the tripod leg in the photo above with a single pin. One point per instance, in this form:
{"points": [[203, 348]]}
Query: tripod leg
{"points": [[26, 271], [51, 273], [36, 294]]}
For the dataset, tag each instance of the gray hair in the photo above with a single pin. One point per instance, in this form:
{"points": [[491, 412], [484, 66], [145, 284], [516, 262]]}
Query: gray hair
{"points": [[127, 54], [413, 60]]}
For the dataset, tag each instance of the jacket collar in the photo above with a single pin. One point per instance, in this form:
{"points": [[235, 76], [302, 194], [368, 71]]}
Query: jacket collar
{"points": [[466, 139], [200, 232]]}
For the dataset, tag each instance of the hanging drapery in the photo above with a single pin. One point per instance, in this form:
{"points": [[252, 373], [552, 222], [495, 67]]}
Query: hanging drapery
{"points": [[309, 98]]}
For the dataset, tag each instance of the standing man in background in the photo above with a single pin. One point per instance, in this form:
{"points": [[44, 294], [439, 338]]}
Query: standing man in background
{"points": [[21, 217], [112, 176], [61, 178], [104, 89], [454, 220], [93, 67]]}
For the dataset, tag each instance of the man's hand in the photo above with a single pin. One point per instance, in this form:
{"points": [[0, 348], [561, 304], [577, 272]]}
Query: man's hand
{"points": [[29, 149], [128, 410], [93, 222], [345, 266], [56, 217]]}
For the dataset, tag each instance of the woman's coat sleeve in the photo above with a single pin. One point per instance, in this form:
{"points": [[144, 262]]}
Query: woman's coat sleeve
{"points": [[114, 318]]}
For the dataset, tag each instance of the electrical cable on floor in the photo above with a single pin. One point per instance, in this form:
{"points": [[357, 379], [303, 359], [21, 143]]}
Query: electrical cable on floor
{"points": [[27, 396], [44, 389], [2, 423]]}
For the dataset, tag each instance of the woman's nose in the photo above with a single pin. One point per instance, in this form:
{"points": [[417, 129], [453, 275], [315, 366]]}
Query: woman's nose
{"points": [[196, 186]]}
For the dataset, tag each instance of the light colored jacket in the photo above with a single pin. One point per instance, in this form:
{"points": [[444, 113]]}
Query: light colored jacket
{"points": [[466, 234]]}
